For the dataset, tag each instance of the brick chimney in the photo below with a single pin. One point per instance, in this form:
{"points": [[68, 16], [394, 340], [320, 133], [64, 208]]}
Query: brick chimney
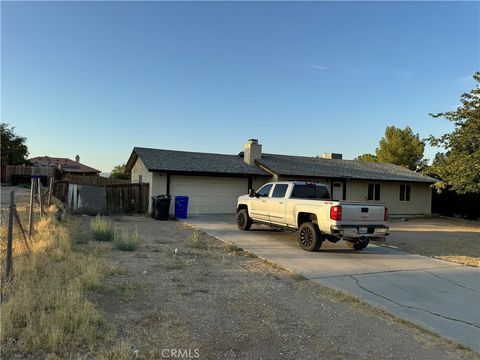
{"points": [[252, 151], [77, 159]]}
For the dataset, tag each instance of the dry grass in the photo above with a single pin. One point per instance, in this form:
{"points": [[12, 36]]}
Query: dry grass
{"points": [[120, 351], [45, 311], [197, 240], [447, 239], [102, 228], [465, 260], [126, 240]]}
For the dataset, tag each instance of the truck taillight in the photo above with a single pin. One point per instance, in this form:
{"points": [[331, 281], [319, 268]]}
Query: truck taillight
{"points": [[336, 213], [385, 214]]}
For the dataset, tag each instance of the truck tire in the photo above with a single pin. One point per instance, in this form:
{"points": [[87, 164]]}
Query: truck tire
{"points": [[357, 245], [309, 237], [244, 222]]}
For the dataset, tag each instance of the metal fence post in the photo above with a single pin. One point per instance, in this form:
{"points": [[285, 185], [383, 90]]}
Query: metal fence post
{"points": [[50, 189], [40, 196], [11, 209], [30, 211]]}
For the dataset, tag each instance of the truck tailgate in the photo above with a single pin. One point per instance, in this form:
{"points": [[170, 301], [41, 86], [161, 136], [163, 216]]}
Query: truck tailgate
{"points": [[362, 213]]}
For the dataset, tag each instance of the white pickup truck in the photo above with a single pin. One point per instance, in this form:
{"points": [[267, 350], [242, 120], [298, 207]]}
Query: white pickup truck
{"points": [[308, 208]]}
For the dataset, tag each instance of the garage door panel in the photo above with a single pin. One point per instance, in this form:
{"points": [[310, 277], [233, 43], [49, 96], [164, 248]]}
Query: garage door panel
{"points": [[208, 195]]}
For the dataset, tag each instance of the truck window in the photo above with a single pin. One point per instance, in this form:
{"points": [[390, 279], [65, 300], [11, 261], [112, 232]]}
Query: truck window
{"points": [[264, 190], [310, 192], [280, 190]]}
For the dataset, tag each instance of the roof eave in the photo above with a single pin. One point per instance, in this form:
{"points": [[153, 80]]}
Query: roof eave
{"points": [[131, 161]]}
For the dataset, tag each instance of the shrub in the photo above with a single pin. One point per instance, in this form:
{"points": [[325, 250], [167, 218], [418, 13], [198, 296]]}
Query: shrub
{"points": [[126, 241], [196, 240], [102, 228]]}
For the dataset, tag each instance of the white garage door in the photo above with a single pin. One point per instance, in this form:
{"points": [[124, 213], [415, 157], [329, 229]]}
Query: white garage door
{"points": [[208, 195]]}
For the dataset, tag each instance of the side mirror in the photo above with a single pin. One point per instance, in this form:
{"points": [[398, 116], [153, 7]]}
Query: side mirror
{"points": [[251, 192]]}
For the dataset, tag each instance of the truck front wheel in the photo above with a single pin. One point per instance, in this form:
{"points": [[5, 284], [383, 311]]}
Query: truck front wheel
{"points": [[309, 237], [244, 222]]}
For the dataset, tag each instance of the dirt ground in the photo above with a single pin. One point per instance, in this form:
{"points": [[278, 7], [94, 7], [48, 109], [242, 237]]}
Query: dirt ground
{"points": [[450, 239], [182, 290]]}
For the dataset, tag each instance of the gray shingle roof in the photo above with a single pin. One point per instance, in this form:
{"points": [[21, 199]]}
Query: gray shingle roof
{"points": [[285, 165], [185, 161], [298, 166]]}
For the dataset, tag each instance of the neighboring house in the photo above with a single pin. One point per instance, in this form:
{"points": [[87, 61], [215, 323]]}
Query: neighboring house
{"points": [[214, 181], [66, 166]]}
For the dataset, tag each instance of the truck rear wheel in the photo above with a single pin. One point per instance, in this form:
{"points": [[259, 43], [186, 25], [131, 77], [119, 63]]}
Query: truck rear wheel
{"points": [[244, 222], [309, 237]]}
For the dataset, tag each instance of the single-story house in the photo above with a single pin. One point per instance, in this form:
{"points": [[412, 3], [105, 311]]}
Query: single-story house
{"points": [[213, 182], [65, 165]]}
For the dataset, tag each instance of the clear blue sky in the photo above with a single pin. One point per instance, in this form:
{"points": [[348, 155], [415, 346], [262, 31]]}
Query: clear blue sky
{"points": [[98, 78]]}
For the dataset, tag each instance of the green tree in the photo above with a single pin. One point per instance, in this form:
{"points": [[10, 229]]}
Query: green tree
{"points": [[119, 172], [459, 166], [367, 157], [14, 151], [401, 147]]}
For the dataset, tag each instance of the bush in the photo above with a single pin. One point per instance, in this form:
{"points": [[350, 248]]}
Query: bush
{"points": [[450, 203], [101, 228], [126, 241], [195, 240]]}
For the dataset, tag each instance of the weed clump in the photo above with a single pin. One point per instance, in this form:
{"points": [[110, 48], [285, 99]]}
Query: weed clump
{"points": [[195, 240], [102, 229], [126, 241]]}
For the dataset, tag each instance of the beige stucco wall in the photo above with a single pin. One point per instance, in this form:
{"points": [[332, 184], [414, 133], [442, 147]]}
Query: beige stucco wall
{"points": [[318, 180], [157, 181], [259, 181], [138, 169], [420, 197]]}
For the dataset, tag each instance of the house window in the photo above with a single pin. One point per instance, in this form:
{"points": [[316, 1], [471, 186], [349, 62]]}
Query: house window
{"points": [[405, 191], [373, 192]]}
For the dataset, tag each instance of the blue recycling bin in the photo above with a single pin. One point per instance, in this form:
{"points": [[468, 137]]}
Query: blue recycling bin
{"points": [[181, 207]]}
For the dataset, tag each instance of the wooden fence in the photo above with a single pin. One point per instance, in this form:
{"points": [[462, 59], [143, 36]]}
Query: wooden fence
{"points": [[128, 198], [19, 174], [93, 180], [120, 198], [60, 190]]}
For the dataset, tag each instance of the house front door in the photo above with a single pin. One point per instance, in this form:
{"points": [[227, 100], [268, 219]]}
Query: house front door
{"points": [[337, 190]]}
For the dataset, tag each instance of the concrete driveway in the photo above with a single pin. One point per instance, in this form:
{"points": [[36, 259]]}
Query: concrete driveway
{"points": [[438, 295]]}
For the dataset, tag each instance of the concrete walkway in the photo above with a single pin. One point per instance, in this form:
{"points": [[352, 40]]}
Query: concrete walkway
{"points": [[438, 295]]}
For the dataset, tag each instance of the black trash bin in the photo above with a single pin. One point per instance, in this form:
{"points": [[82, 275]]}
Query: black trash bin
{"points": [[161, 207], [154, 206]]}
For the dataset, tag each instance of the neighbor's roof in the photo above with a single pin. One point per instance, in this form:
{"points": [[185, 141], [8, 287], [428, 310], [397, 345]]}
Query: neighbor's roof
{"points": [[185, 162], [300, 166], [64, 164]]}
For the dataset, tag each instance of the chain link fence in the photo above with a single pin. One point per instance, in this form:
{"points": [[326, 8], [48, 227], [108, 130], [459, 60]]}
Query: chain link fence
{"points": [[21, 210]]}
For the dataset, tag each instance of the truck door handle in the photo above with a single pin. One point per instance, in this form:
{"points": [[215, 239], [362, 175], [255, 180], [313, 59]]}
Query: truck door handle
{"points": [[281, 202], [264, 201]]}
